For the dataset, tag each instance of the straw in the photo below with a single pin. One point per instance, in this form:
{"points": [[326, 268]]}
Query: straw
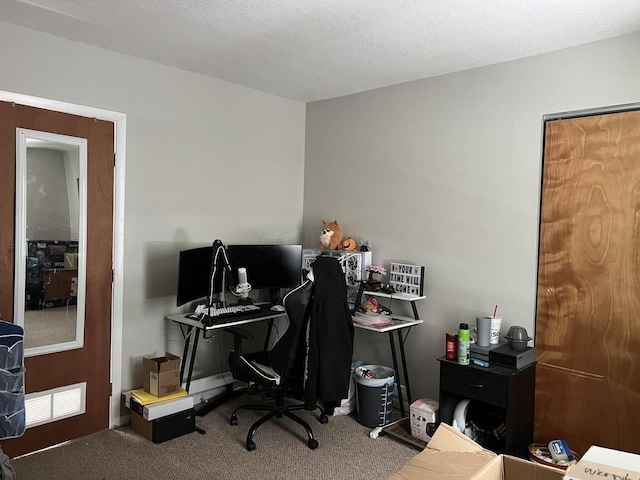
{"points": [[495, 310]]}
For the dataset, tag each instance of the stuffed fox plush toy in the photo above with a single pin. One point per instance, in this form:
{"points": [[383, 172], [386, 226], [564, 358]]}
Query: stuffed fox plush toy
{"points": [[331, 236]]}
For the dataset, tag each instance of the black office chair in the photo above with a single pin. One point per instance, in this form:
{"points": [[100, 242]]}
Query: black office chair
{"points": [[281, 369]]}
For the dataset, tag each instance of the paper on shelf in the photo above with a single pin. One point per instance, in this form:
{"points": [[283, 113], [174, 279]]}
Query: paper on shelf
{"points": [[378, 320]]}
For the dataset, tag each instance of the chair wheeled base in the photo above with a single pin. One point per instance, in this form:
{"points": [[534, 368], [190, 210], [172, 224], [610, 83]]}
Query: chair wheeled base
{"points": [[278, 410]]}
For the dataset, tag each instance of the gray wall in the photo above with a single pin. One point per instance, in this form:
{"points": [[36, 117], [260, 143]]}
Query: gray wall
{"points": [[445, 172], [205, 159]]}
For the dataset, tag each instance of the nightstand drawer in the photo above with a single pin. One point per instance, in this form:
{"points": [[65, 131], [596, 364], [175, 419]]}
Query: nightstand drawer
{"points": [[474, 384]]}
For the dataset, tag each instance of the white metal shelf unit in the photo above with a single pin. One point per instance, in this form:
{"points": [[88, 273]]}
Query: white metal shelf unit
{"points": [[399, 323]]}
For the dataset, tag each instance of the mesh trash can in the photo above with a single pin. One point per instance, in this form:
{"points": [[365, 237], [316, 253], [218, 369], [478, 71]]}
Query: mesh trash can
{"points": [[374, 395]]}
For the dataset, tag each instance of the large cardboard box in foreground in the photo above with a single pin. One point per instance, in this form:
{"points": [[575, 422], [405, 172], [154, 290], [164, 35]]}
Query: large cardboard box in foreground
{"points": [[161, 375], [452, 456], [599, 463]]}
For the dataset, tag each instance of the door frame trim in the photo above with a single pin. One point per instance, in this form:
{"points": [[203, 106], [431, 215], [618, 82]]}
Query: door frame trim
{"points": [[120, 121], [589, 112]]}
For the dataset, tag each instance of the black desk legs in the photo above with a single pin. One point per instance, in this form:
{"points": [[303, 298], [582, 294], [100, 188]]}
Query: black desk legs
{"points": [[397, 373], [187, 341], [184, 351], [404, 364], [397, 370], [268, 337]]}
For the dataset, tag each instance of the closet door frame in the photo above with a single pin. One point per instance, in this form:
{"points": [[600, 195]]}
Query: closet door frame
{"points": [[618, 109], [120, 121]]}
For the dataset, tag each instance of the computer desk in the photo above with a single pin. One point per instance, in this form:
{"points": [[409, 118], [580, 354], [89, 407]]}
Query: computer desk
{"points": [[196, 329], [399, 323]]}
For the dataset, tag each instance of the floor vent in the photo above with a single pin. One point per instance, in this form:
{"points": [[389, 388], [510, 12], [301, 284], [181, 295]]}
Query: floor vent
{"points": [[55, 404]]}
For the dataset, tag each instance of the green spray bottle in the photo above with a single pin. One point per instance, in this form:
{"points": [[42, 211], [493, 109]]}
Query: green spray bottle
{"points": [[463, 344]]}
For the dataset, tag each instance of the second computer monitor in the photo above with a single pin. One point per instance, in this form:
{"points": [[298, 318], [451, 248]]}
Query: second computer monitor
{"points": [[269, 267]]}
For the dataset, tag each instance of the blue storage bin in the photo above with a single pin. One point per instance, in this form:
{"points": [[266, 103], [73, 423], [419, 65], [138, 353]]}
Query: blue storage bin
{"points": [[12, 380], [13, 425], [11, 351], [11, 402], [12, 413]]}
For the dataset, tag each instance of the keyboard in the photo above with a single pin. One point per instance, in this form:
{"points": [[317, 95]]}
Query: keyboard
{"points": [[216, 314], [232, 310]]}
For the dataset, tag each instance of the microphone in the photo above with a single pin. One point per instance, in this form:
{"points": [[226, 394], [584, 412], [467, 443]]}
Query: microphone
{"points": [[243, 286], [242, 275]]}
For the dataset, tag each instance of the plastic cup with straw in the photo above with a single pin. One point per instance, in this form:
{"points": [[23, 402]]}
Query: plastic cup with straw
{"points": [[494, 329]]}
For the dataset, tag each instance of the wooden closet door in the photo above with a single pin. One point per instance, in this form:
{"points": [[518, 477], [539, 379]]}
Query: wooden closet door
{"points": [[588, 301], [91, 363]]}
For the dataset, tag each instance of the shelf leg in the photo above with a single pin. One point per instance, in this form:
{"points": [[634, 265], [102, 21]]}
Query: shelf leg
{"points": [[415, 311], [404, 366], [397, 373]]}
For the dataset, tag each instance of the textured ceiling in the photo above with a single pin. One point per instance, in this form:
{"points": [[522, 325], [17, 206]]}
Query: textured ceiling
{"points": [[313, 50]]}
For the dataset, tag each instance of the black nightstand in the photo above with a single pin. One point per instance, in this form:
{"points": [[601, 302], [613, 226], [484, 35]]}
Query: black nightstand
{"points": [[505, 394]]}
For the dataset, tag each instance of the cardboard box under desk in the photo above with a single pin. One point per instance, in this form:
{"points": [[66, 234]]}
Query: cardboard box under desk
{"points": [[161, 375], [165, 428], [452, 456]]}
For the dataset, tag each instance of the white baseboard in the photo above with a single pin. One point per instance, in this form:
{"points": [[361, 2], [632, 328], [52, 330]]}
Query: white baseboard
{"points": [[206, 387]]}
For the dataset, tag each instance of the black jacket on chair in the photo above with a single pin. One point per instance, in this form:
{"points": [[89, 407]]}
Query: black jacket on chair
{"points": [[330, 337]]}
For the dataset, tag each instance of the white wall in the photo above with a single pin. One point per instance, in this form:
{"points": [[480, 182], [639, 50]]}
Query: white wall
{"points": [[445, 172], [205, 159]]}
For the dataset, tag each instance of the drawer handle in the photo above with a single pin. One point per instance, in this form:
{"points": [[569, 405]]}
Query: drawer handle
{"points": [[475, 385]]}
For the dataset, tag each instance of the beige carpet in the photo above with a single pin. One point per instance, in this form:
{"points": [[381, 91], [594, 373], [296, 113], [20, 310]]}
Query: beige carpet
{"points": [[49, 326], [345, 452]]}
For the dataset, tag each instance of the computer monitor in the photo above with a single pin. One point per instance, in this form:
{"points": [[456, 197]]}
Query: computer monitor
{"points": [[268, 266], [194, 273]]}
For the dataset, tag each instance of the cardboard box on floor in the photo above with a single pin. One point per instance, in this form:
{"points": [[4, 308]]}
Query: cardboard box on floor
{"points": [[452, 456], [161, 375], [601, 462], [423, 412]]}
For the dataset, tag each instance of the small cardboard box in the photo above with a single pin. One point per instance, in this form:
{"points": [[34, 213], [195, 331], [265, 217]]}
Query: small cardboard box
{"points": [[422, 412], [452, 456], [599, 463], [161, 375]]}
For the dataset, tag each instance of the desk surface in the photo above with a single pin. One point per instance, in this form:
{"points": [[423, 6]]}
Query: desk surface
{"points": [[256, 316]]}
